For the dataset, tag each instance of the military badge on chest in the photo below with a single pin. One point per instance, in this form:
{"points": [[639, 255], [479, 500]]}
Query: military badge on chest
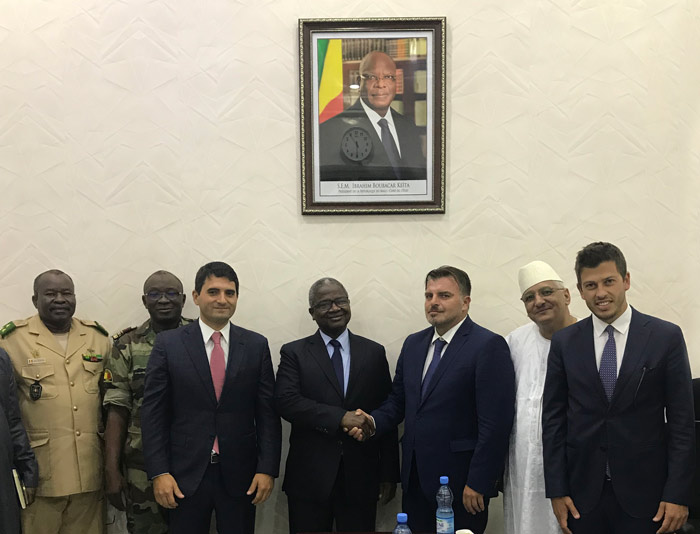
{"points": [[35, 391], [356, 144]]}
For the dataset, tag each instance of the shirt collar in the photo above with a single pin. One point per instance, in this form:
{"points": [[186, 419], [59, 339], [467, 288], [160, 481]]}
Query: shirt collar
{"points": [[621, 324], [342, 338], [207, 331], [375, 117], [447, 336]]}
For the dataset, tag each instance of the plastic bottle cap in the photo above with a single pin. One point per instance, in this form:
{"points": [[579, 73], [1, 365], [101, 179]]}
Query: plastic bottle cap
{"points": [[464, 531], [401, 518], [444, 480]]}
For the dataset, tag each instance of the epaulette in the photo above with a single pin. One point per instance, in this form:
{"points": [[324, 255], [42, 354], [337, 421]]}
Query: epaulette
{"points": [[124, 331], [11, 327], [97, 326]]}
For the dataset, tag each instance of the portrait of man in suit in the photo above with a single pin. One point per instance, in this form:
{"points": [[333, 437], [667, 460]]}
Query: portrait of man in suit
{"points": [[331, 478], [211, 437], [370, 140], [454, 388], [617, 414]]}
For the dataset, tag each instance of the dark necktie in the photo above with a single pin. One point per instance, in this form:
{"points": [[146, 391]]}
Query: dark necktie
{"points": [[608, 363], [337, 361], [390, 147], [439, 345]]}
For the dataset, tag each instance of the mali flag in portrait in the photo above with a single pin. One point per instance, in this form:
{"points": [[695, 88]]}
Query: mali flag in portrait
{"points": [[330, 78]]}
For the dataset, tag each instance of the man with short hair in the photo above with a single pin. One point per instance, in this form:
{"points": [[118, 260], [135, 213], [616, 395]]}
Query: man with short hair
{"points": [[124, 375], [526, 510], [211, 437], [617, 414], [321, 380], [454, 385], [370, 140], [58, 361]]}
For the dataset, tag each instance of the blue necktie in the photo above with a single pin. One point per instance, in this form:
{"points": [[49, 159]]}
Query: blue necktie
{"points": [[439, 345], [390, 147], [608, 363], [337, 361]]}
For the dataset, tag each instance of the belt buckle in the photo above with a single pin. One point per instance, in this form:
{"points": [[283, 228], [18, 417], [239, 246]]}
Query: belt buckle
{"points": [[214, 458]]}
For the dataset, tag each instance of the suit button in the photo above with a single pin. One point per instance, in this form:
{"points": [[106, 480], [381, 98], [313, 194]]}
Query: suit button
{"points": [[72, 384], [77, 432], [75, 408], [37, 375], [67, 362]]}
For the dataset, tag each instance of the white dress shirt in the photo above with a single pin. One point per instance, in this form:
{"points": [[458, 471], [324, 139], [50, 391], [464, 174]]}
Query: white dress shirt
{"points": [[207, 331], [447, 337]]}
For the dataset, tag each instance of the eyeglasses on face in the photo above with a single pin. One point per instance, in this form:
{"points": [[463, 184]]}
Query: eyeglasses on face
{"points": [[326, 305], [170, 294], [374, 78], [544, 292]]}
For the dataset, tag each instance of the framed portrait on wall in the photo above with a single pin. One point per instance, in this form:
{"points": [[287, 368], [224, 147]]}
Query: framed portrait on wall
{"points": [[372, 115]]}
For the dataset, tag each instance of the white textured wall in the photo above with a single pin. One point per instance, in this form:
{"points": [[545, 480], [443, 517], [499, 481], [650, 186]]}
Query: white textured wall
{"points": [[141, 134]]}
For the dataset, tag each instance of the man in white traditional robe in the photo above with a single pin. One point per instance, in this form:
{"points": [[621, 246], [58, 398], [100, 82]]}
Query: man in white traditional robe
{"points": [[526, 510]]}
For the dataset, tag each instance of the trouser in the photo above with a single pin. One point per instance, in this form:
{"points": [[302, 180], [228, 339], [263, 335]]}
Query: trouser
{"points": [[143, 515], [608, 517], [80, 513]]}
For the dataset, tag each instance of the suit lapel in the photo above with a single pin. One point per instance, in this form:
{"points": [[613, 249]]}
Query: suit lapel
{"points": [[449, 356], [637, 338], [584, 358], [194, 346], [236, 352], [358, 362], [319, 353]]}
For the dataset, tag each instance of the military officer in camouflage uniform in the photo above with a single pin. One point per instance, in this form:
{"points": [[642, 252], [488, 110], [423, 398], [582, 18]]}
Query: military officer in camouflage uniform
{"points": [[123, 381], [58, 362]]}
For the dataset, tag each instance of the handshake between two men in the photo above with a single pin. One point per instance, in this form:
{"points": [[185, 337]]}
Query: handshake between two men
{"points": [[358, 424]]}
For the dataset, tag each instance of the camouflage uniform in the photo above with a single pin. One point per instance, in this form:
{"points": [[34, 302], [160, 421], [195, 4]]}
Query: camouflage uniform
{"points": [[124, 375]]}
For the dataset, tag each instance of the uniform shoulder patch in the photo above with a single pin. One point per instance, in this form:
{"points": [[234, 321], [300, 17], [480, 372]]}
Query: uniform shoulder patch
{"points": [[107, 376], [10, 327], [124, 331], [97, 326], [7, 329]]}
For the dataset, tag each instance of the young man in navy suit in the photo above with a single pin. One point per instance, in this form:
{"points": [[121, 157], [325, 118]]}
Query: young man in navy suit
{"points": [[617, 416], [455, 387], [211, 437]]}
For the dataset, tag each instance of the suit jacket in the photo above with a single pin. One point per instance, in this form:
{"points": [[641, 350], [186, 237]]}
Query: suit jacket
{"points": [[462, 425], [645, 432], [181, 416], [336, 166], [15, 451], [307, 394]]}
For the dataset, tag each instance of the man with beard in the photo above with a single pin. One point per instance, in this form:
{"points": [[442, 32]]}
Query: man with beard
{"points": [[526, 510], [321, 380], [124, 375], [59, 361]]}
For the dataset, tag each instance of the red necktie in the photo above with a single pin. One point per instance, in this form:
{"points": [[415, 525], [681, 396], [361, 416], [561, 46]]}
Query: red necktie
{"points": [[217, 365]]}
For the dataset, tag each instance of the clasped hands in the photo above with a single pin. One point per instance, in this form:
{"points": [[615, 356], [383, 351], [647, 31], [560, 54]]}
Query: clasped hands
{"points": [[358, 425]]}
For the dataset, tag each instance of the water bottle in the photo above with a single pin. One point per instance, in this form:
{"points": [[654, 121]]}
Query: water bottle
{"points": [[402, 524], [445, 516]]}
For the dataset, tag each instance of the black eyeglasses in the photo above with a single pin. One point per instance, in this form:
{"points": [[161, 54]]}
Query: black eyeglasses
{"points": [[170, 294], [326, 305]]}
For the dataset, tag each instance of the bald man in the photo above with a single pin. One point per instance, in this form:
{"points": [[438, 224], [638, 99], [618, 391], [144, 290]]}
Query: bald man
{"points": [[370, 140], [125, 370]]}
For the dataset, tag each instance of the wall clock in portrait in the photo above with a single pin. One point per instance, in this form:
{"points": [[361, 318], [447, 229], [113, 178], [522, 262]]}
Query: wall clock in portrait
{"points": [[356, 144]]}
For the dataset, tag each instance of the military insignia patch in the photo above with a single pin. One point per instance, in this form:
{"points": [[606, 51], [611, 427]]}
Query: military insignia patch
{"points": [[107, 376], [35, 391], [92, 357], [8, 328]]}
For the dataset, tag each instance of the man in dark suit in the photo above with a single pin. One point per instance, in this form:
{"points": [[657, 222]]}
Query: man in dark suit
{"points": [[388, 145], [15, 452], [455, 387], [617, 415], [330, 476], [211, 437]]}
